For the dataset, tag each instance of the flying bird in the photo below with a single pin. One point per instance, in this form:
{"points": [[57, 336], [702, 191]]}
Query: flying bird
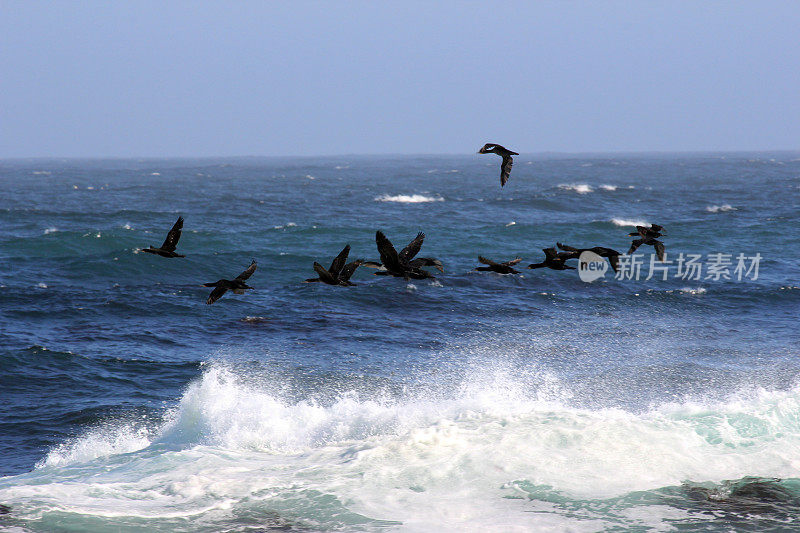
{"points": [[554, 260], [404, 264], [339, 273], [501, 268], [237, 285], [602, 251], [648, 236], [168, 248], [505, 166]]}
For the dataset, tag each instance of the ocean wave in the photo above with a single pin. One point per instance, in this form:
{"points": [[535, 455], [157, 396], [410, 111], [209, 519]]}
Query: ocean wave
{"points": [[720, 208], [408, 198], [629, 222], [234, 439], [580, 188]]}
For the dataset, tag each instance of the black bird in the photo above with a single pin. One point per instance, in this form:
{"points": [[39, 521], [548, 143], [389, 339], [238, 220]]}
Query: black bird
{"points": [[505, 153], [237, 285], [554, 260], [404, 264], [648, 236], [168, 248], [608, 253], [501, 268], [339, 273]]}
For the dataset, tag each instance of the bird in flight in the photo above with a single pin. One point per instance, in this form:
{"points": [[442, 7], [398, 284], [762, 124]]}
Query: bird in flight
{"points": [[237, 284], [505, 153], [168, 248]]}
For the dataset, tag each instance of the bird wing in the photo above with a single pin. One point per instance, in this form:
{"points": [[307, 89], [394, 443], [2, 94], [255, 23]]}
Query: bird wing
{"points": [[409, 252], [485, 261], [387, 252], [513, 261], [659, 246], [566, 248], [550, 252], [603, 251], [349, 269], [642, 230], [613, 260], [216, 294], [339, 261], [505, 169], [247, 273], [634, 245], [324, 275], [173, 236]]}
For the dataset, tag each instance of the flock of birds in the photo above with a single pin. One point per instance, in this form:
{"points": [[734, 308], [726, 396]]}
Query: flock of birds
{"points": [[407, 265]]}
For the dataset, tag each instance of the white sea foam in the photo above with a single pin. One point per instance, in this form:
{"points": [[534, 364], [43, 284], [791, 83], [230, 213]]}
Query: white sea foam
{"points": [[512, 223], [690, 290], [409, 198], [628, 222], [428, 463], [609, 187], [41, 172], [720, 208], [50, 230], [41, 285], [580, 188]]}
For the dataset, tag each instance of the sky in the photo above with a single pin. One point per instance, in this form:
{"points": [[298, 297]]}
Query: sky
{"points": [[137, 79]]}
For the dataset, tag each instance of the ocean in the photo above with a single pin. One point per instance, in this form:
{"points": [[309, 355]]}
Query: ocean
{"points": [[469, 402]]}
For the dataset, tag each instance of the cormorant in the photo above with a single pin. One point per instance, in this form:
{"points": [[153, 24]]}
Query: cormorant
{"points": [[500, 268], [554, 260], [339, 273], [237, 285], [608, 253], [404, 264], [648, 236], [168, 248], [505, 153]]}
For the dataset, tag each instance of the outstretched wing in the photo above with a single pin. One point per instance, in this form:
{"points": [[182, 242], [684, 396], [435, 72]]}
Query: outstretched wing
{"points": [[642, 230], [505, 169], [409, 252], [349, 269], [513, 261], [324, 275], [426, 262], [387, 252], [216, 294], [659, 246], [550, 252], [173, 236], [634, 245], [614, 262], [339, 261], [247, 273], [485, 261]]}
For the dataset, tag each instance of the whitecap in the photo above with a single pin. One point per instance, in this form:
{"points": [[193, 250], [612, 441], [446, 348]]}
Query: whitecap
{"points": [[408, 198], [41, 173], [580, 188], [628, 222], [720, 208], [155, 173], [609, 187], [689, 290], [42, 285], [50, 230], [512, 223]]}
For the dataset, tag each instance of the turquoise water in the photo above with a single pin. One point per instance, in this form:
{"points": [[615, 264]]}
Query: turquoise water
{"points": [[470, 402]]}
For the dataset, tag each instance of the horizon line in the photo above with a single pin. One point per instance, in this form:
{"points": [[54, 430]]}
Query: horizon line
{"points": [[402, 154]]}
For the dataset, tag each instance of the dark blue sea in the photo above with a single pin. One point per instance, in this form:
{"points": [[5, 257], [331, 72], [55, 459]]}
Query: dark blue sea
{"points": [[469, 402]]}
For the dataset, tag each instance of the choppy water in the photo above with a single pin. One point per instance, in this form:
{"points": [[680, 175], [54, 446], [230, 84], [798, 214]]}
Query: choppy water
{"points": [[473, 402]]}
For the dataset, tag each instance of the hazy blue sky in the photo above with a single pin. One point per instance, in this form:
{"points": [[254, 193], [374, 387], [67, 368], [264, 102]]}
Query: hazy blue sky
{"points": [[266, 78]]}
